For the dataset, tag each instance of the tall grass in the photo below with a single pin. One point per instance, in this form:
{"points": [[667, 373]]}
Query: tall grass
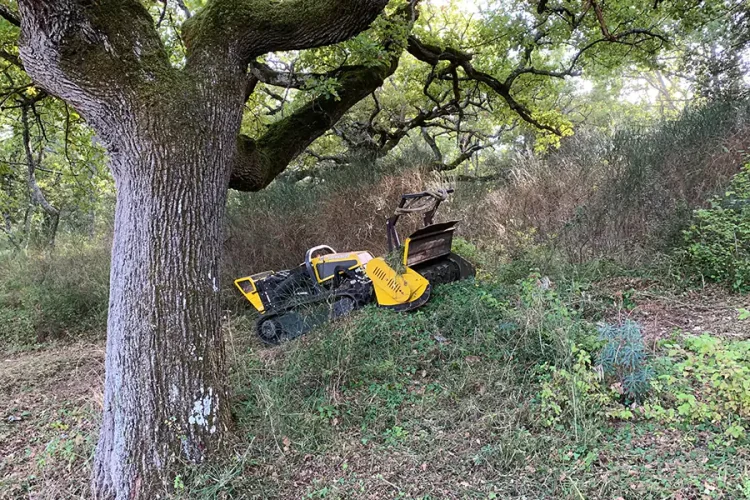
{"points": [[346, 209], [54, 294], [622, 196]]}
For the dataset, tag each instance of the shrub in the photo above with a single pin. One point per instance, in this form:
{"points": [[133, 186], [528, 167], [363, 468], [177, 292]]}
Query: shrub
{"points": [[624, 358], [705, 380], [718, 241], [59, 293]]}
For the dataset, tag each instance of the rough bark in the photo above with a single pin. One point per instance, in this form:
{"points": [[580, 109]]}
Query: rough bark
{"points": [[172, 139], [246, 29], [165, 393]]}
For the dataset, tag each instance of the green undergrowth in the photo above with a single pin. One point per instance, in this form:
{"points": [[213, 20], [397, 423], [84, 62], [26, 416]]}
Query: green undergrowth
{"points": [[704, 382], [362, 373], [717, 244], [514, 385], [62, 293]]}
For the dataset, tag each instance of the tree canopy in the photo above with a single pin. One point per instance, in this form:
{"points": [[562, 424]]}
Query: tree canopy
{"points": [[457, 77]]}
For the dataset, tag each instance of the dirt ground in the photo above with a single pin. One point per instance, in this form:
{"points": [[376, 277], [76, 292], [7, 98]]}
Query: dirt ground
{"points": [[661, 313]]}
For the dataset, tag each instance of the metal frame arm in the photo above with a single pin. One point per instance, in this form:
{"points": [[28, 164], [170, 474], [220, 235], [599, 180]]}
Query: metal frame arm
{"points": [[391, 233]]}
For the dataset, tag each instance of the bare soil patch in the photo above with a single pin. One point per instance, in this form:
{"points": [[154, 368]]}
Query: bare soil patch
{"points": [[661, 312]]}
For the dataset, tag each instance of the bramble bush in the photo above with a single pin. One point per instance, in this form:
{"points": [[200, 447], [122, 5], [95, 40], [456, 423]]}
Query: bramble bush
{"points": [[718, 241], [704, 380]]}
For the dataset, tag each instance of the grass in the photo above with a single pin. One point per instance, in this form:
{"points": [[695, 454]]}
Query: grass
{"points": [[55, 295], [50, 402], [445, 402], [489, 391]]}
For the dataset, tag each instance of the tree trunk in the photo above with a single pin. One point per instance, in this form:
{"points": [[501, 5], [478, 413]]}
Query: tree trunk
{"points": [[172, 135], [165, 396]]}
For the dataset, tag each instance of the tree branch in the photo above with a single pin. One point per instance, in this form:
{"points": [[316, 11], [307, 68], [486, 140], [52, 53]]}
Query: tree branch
{"points": [[433, 145], [287, 79], [260, 161], [37, 196], [250, 28], [184, 8], [93, 54], [10, 16], [432, 55]]}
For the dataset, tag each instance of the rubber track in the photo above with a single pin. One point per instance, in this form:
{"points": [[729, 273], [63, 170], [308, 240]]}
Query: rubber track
{"points": [[445, 270], [361, 293]]}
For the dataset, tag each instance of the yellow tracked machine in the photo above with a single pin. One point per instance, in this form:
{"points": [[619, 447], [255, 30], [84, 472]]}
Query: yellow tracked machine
{"points": [[329, 285]]}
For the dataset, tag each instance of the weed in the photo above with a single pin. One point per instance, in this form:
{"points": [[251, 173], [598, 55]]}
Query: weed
{"points": [[704, 380], [623, 357], [574, 398]]}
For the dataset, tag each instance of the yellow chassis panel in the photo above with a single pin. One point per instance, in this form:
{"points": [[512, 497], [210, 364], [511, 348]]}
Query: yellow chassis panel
{"points": [[391, 288], [251, 294]]}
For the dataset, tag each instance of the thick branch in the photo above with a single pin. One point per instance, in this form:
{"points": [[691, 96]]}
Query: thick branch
{"points": [[433, 145], [247, 29], [259, 162], [10, 16], [462, 157], [93, 54], [288, 80]]}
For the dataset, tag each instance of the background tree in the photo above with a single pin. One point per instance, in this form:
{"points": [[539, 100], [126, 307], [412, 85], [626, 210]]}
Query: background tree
{"points": [[50, 166]]}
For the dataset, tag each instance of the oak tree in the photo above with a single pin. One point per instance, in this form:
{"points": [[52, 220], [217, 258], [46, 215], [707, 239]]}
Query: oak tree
{"points": [[168, 87], [172, 135]]}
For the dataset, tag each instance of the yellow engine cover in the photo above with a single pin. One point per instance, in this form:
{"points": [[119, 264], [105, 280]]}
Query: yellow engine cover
{"points": [[391, 288]]}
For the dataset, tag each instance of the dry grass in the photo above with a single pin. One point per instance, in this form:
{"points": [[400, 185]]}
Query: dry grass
{"points": [[49, 402], [605, 207], [624, 196]]}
